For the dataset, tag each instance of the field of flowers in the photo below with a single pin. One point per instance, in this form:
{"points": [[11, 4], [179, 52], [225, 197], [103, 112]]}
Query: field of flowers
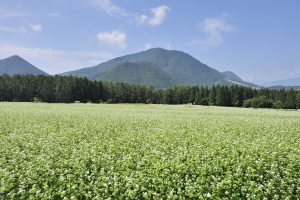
{"points": [[99, 151]]}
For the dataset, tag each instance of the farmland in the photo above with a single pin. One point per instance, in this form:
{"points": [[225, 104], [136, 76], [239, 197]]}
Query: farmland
{"points": [[102, 151]]}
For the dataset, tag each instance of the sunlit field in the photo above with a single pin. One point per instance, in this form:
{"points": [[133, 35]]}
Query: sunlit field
{"points": [[102, 151]]}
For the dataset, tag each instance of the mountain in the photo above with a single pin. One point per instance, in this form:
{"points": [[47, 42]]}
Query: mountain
{"points": [[235, 79], [180, 66], [232, 76], [285, 82], [284, 87], [17, 65], [144, 73]]}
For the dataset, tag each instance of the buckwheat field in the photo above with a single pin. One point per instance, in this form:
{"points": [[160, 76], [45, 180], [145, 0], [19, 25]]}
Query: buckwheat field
{"points": [[101, 151]]}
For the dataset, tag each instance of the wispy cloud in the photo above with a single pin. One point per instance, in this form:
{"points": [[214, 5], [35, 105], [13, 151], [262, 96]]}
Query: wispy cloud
{"points": [[35, 27], [26, 28], [53, 14], [114, 38], [111, 9], [158, 16], [290, 72], [5, 13], [19, 29], [214, 28], [53, 60], [168, 45], [23, 29], [8, 29], [148, 46]]}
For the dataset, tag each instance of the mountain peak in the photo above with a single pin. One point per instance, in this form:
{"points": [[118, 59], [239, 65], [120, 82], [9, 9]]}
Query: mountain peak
{"points": [[162, 50], [157, 49], [14, 56], [17, 65]]}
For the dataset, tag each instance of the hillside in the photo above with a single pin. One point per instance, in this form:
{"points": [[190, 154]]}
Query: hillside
{"points": [[17, 65], [235, 79], [182, 67], [232, 76], [144, 73]]}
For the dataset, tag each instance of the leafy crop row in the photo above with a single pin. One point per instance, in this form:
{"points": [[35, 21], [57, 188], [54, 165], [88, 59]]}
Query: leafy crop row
{"points": [[147, 152]]}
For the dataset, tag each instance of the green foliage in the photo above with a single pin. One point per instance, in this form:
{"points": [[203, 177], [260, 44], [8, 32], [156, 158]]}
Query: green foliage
{"points": [[143, 73], [212, 96], [102, 151], [220, 96], [278, 104], [67, 89], [290, 99], [247, 103], [298, 100], [258, 102]]}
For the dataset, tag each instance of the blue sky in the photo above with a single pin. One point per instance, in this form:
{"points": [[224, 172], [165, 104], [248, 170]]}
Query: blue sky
{"points": [[258, 40]]}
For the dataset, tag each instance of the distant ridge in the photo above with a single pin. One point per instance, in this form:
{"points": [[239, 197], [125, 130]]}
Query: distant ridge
{"points": [[284, 87], [17, 65], [284, 82]]}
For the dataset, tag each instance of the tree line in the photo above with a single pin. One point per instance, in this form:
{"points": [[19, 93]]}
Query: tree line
{"points": [[68, 89]]}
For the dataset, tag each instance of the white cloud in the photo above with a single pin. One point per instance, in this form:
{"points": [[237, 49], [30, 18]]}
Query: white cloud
{"points": [[110, 8], [113, 38], [148, 46], [214, 28], [52, 60], [36, 27], [142, 19], [159, 15]]}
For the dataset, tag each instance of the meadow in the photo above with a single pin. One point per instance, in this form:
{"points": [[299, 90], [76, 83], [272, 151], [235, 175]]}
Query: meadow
{"points": [[135, 151]]}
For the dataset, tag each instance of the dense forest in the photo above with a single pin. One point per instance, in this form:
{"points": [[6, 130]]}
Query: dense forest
{"points": [[68, 89]]}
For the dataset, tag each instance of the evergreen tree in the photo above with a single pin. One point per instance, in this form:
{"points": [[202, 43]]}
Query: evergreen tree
{"points": [[46, 89], [193, 93], [290, 100], [67, 89], [298, 100], [169, 96], [220, 96], [212, 96]]}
